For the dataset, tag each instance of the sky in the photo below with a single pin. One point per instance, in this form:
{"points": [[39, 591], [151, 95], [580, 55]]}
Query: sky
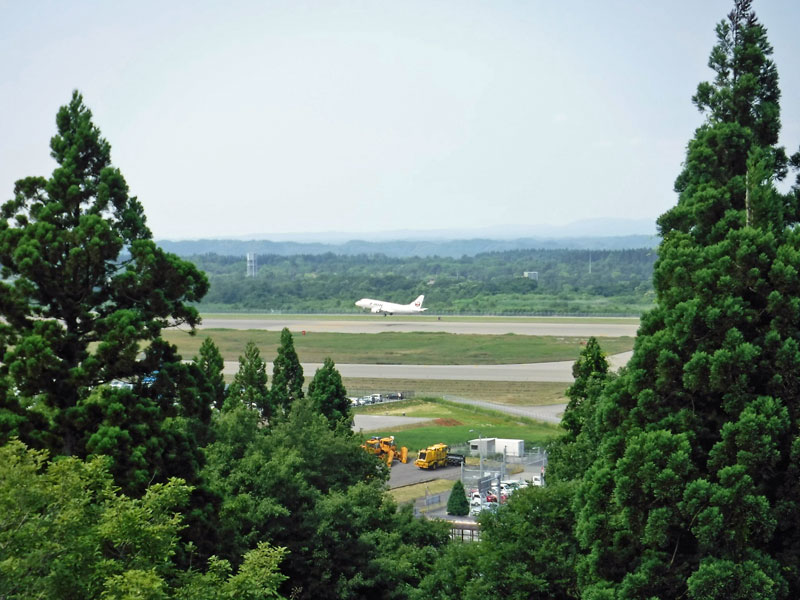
{"points": [[280, 118]]}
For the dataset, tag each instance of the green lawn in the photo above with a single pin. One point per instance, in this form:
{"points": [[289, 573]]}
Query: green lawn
{"points": [[409, 493], [408, 348], [452, 424]]}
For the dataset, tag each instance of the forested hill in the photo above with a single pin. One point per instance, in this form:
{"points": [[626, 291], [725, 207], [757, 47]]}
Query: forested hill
{"points": [[569, 281], [404, 248]]}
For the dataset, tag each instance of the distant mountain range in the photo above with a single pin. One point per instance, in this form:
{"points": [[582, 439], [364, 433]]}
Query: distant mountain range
{"points": [[404, 248], [587, 228], [591, 234]]}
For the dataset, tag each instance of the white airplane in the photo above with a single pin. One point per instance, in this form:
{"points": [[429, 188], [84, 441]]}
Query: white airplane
{"points": [[390, 308]]}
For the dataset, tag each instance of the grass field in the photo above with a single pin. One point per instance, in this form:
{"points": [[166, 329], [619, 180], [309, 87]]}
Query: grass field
{"points": [[521, 393], [409, 493], [407, 348], [454, 424]]}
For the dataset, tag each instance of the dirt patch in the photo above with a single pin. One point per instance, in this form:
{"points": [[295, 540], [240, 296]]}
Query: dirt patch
{"points": [[448, 422]]}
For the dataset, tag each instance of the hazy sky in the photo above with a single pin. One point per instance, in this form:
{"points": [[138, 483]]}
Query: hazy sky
{"points": [[238, 118]]}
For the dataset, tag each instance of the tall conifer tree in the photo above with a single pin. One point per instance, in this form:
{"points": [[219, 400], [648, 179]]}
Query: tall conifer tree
{"points": [[211, 364], [83, 287], [249, 386], [329, 396], [287, 376], [572, 454], [695, 490]]}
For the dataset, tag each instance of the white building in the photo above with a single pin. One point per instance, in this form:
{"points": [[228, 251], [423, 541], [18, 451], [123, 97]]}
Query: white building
{"points": [[488, 446]]}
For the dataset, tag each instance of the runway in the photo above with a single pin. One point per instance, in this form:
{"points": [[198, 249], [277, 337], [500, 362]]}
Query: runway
{"points": [[592, 327], [560, 372]]}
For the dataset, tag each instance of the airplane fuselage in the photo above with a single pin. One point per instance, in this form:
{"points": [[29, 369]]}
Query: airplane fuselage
{"points": [[391, 308]]}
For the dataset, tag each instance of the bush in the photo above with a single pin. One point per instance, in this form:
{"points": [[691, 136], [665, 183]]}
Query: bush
{"points": [[457, 505]]}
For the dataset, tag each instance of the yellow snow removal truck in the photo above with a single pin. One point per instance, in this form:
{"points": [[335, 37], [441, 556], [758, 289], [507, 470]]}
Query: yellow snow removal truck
{"points": [[436, 456], [386, 449]]}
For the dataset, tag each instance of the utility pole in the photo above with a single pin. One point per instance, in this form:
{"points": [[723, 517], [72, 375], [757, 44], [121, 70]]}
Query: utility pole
{"points": [[480, 452]]}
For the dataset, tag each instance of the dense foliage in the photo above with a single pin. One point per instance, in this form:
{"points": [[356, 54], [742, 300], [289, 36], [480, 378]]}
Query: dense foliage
{"points": [[695, 470], [597, 281], [681, 472], [157, 482], [74, 313], [66, 532]]}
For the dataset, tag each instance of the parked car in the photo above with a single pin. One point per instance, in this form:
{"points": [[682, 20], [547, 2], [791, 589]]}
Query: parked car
{"points": [[149, 379], [117, 384], [492, 497]]}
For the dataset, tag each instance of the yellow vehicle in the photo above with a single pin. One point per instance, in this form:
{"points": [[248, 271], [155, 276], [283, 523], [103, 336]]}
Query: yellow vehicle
{"points": [[436, 456], [386, 449]]}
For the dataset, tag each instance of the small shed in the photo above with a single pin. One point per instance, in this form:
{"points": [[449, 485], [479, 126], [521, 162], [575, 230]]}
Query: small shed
{"points": [[488, 446]]}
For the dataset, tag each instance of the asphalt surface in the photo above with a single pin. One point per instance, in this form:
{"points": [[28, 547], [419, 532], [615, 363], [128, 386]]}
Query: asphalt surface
{"points": [[548, 413], [373, 325], [369, 423], [560, 372], [407, 474]]}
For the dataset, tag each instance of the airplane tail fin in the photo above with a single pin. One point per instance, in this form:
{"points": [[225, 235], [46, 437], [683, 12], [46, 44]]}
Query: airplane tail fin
{"points": [[418, 302]]}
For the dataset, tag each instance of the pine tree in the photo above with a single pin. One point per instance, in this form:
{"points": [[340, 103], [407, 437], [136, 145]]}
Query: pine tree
{"points": [[694, 492], [83, 286], [249, 385], [457, 504], [329, 396], [287, 376], [211, 364], [590, 369], [571, 455]]}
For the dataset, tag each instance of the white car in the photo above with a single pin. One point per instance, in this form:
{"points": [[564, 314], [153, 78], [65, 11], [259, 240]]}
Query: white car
{"points": [[124, 385]]}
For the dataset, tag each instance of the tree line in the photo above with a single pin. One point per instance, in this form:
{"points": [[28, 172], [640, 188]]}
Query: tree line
{"points": [[488, 282]]}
